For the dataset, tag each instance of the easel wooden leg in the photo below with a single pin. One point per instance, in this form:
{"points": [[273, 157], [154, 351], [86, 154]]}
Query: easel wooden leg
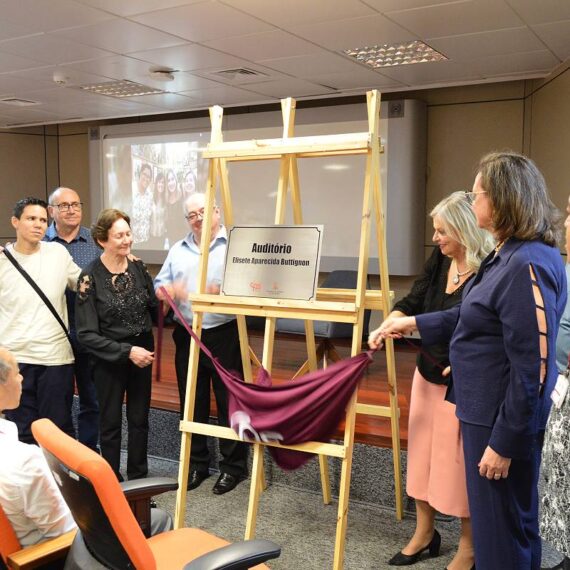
{"points": [[254, 491], [325, 479], [344, 491]]}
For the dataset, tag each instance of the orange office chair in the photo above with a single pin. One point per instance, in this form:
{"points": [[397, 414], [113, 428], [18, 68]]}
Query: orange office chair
{"points": [[15, 557], [109, 536]]}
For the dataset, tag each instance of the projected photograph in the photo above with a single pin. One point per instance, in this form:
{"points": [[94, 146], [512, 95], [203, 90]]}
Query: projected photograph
{"points": [[150, 180]]}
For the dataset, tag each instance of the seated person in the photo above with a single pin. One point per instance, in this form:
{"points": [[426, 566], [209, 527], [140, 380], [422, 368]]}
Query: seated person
{"points": [[28, 493]]}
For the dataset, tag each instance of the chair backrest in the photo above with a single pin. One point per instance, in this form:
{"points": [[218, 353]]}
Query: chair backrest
{"points": [[9, 542], [96, 500]]}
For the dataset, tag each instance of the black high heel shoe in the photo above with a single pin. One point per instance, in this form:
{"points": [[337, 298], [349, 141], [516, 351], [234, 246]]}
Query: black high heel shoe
{"points": [[433, 547]]}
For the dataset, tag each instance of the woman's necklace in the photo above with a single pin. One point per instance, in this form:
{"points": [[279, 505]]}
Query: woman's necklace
{"points": [[499, 246], [459, 274]]}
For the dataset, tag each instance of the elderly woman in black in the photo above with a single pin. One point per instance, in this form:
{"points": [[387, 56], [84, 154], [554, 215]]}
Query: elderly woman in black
{"points": [[114, 309]]}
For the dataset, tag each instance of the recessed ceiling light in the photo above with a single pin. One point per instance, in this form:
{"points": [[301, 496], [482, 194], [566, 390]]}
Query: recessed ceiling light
{"points": [[123, 88], [388, 55]]}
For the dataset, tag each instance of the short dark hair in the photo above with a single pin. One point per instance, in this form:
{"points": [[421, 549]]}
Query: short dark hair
{"points": [[105, 220], [521, 205], [29, 201], [145, 166]]}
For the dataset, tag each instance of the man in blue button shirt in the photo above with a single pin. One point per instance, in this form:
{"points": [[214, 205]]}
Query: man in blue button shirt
{"points": [[179, 276], [65, 209]]}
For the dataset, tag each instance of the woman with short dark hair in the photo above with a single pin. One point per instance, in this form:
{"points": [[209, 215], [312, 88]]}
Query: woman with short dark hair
{"points": [[503, 358], [115, 307]]}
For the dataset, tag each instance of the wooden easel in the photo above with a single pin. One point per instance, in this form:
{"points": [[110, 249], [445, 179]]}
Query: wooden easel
{"points": [[342, 305]]}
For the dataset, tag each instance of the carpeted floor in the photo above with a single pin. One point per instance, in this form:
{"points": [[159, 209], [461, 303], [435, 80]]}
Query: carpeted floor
{"points": [[296, 518], [303, 526]]}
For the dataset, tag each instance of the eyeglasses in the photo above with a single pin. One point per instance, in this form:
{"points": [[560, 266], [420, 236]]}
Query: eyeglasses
{"points": [[193, 216], [66, 207], [471, 196]]}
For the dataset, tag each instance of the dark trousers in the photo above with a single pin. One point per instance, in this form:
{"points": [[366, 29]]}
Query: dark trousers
{"points": [[113, 380], [223, 342], [47, 392], [88, 417], [504, 513]]}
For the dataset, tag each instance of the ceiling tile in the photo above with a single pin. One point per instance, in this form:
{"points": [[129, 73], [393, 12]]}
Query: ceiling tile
{"points": [[182, 82], [132, 7], [42, 78], [514, 63], [344, 34], [224, 95], [556, 36], [297, 12], [355, 80], [497, 42], [188, 58], [9, 30], [121, 36], [541, 11], [114, 67], [42, 16], [267, 45], [290, 88], [166, 101], [306, 66], [203, 21], [51, 49], [9, 62], [16, 84], [435, 72], [464, 17], [384, 6]]}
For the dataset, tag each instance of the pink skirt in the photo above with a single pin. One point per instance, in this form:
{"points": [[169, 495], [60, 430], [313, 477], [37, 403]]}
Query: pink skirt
{"points": [[436, 468]]}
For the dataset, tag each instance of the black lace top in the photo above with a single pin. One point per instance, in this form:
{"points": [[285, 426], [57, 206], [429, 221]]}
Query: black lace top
{"points": [[112, 307], [428, 295]]}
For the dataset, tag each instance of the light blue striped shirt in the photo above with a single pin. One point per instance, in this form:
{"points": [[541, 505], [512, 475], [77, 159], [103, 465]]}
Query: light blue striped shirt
{"points": [[182, 264]]}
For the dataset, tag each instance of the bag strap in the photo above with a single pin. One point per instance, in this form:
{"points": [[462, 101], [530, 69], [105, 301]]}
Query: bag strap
{"points": [[36, 288]]}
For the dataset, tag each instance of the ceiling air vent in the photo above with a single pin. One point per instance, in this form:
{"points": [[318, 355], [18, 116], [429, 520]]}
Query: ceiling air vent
{"points": [[17, 102], [239, 74]]}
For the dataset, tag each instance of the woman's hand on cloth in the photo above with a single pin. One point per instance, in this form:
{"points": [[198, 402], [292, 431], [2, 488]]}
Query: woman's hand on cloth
{"points": [[493, 465], [141, 357], [392, 327]]}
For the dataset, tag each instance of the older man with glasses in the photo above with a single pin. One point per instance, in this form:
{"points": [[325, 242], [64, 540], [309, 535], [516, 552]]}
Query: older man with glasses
{"points": [[66, 210], [179, 276]]}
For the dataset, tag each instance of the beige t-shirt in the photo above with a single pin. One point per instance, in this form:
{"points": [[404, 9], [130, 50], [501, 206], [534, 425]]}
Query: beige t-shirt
{"points": [[27, 327]]}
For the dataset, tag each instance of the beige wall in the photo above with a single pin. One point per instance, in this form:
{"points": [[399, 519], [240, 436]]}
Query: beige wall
{"points": [[549, 141], [22, 171]]}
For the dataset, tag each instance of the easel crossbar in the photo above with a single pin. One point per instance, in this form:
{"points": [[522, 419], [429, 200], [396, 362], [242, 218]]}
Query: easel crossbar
{"points": [[321, 145], [263, 307], [315, 447]]}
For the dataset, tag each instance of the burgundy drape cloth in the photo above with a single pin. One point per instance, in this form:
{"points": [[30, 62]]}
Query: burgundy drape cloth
{"points": [[306, 409]]}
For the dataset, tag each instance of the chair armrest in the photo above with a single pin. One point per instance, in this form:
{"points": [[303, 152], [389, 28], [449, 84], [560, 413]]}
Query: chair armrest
{"points": [[139, 492], [145, 488], [236, 556], [42, 553]]}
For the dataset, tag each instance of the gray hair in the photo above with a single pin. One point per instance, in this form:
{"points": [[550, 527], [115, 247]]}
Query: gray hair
{"points": [[5, 368], [460, 223], [517, 191], [51, 197], [192, 196]]}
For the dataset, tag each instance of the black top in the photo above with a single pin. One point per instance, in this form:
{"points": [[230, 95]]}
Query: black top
{"points": [[113, 307], [428, 295]]}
